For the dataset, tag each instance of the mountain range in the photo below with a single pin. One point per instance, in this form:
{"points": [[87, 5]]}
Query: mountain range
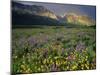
{"points": [[79, 19], [39, 15]]}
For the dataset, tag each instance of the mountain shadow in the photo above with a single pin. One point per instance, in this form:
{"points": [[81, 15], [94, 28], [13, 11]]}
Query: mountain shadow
{"points": [[27, 16]]}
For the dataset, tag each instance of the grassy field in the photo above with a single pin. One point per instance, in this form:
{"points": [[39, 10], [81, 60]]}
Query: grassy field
{"points": [[51, 49]]}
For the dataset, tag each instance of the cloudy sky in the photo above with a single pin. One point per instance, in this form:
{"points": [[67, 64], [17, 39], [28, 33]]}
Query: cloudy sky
{"points": [[61, 9]]}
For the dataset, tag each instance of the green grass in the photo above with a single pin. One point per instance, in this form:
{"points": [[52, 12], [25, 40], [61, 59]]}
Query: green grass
{"points": [[50, 49]]}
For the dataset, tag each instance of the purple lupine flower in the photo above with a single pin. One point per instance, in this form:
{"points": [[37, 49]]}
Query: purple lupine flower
{"points": [[32, 40], [80, 46], [69, 57], [42, 39], [53, 67], [45, 53], [21, 42], [80, 34], [46, 38], [63, 51]]}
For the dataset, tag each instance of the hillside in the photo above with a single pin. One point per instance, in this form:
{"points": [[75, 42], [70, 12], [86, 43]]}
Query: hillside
{"points": [[32, 15]]}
